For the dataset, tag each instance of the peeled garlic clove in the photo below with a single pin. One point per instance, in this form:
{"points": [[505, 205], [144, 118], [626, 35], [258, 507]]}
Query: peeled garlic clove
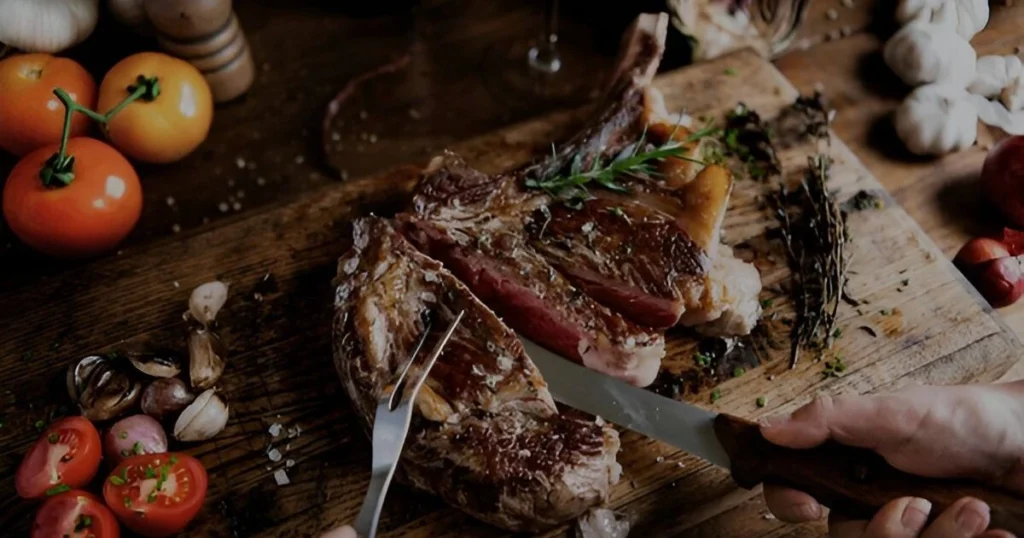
{"points": [[207, 300], [206, 363], [203, 419], [156, 365]]}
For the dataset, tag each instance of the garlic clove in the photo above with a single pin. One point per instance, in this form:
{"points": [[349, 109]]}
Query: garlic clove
{"points": [[202, 419], [206, 362], [206, 300], [155, 365]]}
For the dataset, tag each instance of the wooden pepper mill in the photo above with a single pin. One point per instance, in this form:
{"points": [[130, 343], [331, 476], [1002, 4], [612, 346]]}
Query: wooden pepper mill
{"points": [[206, 33]]}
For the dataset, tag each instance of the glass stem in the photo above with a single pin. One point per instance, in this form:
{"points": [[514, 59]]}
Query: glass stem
{"points": [[544, 57]]}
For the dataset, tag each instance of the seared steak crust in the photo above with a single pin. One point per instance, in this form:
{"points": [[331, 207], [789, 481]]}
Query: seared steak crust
{"points": [[486, 436]]}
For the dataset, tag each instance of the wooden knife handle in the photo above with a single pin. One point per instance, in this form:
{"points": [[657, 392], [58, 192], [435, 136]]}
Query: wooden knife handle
{"points": [[853, 481]]}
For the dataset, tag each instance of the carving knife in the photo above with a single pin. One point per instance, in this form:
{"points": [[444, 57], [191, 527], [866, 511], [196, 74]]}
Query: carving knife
{"points": [[853, 481]]}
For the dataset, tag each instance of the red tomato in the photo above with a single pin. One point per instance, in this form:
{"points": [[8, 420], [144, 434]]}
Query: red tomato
{"points": [[30, 115], [66, 455], [163, 129], [75, 514], [90, 215], [156, 494]]}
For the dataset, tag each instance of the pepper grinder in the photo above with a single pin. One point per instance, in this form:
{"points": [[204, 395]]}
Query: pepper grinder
{"points": [[206, 33]]}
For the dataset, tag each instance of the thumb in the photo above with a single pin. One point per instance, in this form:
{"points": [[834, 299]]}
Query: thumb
{"points": [[858, 421], [344, 531]]}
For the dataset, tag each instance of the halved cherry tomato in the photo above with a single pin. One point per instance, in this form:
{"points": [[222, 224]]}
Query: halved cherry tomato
{"points": [[67, 455], [30, 115], [163, 129], [90, 215], [74, 514], [156, 494]]}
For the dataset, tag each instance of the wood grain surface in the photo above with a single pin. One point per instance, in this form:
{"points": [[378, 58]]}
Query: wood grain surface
{"points": [[277, 328]]}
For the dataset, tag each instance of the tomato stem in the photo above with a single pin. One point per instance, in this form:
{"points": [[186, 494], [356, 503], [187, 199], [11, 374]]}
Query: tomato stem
{"points": [[145, 88], [59, 168]]}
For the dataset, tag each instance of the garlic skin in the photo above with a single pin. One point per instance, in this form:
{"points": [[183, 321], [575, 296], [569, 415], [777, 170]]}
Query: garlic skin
{"points": [[994, 73], [937, 119], [966, 17], [46, 25], [995, 114], [924, 53], [207, 300], [202, 419]]}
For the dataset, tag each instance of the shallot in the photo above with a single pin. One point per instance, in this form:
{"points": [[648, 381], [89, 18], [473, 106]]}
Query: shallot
{"points": [[1002, 177], [165, 398], [134, 435], [988, 264]]}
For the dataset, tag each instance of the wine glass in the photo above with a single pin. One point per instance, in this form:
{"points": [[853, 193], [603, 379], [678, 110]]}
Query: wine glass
{"points": [[538, 73]]}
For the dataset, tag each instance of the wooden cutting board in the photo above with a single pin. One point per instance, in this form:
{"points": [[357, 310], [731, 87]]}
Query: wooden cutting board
{"points": [[925, 324]]}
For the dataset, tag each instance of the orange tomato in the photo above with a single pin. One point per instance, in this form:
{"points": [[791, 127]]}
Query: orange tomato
{"points": [[90, 215], [164, 129], [30, 115]]}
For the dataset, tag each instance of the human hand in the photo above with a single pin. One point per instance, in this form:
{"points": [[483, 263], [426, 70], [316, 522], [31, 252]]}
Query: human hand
{"points": [[974, 432], [344, 531]]}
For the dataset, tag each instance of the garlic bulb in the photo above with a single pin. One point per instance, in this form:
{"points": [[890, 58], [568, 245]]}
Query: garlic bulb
{"points": [[206, 300], [923, 53], [966, 17], [993, 73], [46, 25], [937, 119], [996, 114], [202, 419]]}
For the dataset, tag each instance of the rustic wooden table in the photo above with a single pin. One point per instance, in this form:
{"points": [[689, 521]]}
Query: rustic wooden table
{"points": [[266, 150]]}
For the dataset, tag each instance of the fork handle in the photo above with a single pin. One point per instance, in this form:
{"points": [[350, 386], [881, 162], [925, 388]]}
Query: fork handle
{"points": [[369, 514]]}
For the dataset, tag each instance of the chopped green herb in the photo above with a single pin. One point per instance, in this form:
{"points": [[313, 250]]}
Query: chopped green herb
{"points": [[116, 480], [150, 473], [127, 502], [702, 359], [905, 282], [53, 438], [59, 488], [124, 435], [766, 303], [163, 477], [885, 312], [838, 333], [716, 395], [173, 460], [762, 401], [83, 522], [151, 498], [124, 474], [137, 448], [730, 71], [834, 368], [125, 452], [738, 371], [40, 425]]}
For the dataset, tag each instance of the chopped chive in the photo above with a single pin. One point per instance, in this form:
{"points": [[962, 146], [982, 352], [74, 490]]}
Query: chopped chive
{"points": [[127, 502], [83, 522], [716, 395], [59, 488], [837, 333], [150, 473], [53, 438], [766, 303], [124, 435], [738, 371], [173, 460], [40, 425], [152, 497], [762, 401], [116, 480], [730, 71], [137, 448]]}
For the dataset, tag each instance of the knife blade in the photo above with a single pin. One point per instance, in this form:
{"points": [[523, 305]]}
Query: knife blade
{"points": [[853, 481], [679, 424]]}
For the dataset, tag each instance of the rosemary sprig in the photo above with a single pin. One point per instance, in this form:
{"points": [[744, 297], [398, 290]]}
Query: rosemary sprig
{"points": [[638, 160], [814, 232]]}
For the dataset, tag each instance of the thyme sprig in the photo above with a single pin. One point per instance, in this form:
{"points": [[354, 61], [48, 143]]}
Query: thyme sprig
{"points": [[637, 160], [814, 233]]}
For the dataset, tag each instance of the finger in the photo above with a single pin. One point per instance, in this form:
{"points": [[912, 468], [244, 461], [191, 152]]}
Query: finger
{"points": [[790, 505], [861, 421], [966, 518], [900, 518], [343, 531], [996, 534]]}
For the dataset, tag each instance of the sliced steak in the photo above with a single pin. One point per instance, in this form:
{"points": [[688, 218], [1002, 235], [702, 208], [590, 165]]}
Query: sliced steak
{"points": [[486, 436], [477, 226]]}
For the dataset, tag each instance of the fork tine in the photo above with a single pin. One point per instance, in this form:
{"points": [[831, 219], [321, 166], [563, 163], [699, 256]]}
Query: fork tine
{"points": [[397, 384], [414, 384]]}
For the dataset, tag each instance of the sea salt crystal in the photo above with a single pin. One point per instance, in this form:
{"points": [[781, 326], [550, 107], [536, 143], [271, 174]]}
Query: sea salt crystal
{"points": [[240, 163], [274, 455], [261, 181], [275, 429], [289, 464], [363, 115], [223, 207], [175, 228], [170, 201], [237, 206], [680, 464], [660, 459], [281, 477], [176, 285], [294, 432]]}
